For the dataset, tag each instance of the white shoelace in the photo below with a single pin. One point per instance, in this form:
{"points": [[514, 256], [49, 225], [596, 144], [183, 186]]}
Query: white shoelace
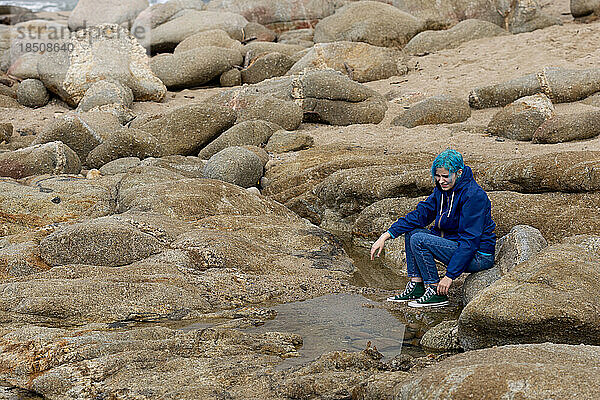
{"points": [[428, 293], [409, 287]]}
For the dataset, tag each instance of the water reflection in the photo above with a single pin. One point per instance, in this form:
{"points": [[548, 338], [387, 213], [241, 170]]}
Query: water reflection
{"points": [[334, 323]]}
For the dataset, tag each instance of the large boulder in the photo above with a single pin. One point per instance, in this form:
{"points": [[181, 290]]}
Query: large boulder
{"points": [[49, 158], [546, 212], [516, 16], [560, 85], [186, 166], [292, 182], [267, 66], [284, 141], [230, 78], [212, 38], [119, 166], [149, 361], [266, 107], [194, 67], [48, 200], [104, 241], [519, 245], [127, 142], [475, 283], [104, 52], [372, 22], [52, 70], [524, 371], [303, 37], [361, 62], [106, 93], [93, 12], [152, 189], [377, 217], [582, 8], [253, 244], [256, 31], [181, 25], [549, 298], [236, 165], [520, 119], [442, 337], [568, 171], [569, 127], [255, 49], [186, 129], [349, 191], [253, 133], [442, 109], [80, 131], [25, 67], [526, 16], [464, 31], [324, 96], [279, 15]]}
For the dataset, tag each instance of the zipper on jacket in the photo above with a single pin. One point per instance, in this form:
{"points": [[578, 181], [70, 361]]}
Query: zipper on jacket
{"points": [[441, 215]]}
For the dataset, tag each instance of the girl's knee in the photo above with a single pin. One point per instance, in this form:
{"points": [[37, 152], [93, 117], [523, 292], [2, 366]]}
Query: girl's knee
{"points": [[417, 239]]}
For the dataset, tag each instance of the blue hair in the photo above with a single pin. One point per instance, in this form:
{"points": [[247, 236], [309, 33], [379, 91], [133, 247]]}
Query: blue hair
{"points": [[449, 159]]}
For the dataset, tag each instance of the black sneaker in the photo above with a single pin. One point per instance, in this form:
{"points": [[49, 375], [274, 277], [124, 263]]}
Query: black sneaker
{"points": [[430, 299], [413, 291]]}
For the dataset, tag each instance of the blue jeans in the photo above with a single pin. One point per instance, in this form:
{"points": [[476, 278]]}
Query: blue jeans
{"points": [[423, 248]]}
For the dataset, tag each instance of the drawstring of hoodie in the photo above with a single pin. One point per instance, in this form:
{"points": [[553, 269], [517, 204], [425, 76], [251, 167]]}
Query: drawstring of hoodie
{"points": [[442, 204]]}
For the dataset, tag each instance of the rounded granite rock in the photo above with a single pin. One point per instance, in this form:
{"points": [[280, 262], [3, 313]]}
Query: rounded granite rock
{"points": [[32, 93], [235, 165]]}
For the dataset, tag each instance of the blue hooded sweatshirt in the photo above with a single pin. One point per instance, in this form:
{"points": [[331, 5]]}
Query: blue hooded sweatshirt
{"points": [[461, 214]]}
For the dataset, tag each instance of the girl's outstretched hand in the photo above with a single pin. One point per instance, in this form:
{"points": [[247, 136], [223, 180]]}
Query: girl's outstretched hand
{"points": [[378, 245]]}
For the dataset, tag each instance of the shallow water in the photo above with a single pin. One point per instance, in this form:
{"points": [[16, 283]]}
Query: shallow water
{"points": [[341, 322], [379, 273]]}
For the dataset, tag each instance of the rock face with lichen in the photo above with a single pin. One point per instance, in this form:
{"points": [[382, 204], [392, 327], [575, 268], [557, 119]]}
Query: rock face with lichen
{"points": [[323, 96], [280, 15], [49, 158], [93, 12], [558, 84], [566, 172], [46, 200], [176, 246], [434, 110], [519, 245], [569, 127], [101, 52], [530, 371], [361, 62], [520, 119], [372, 22], [464, 31], [545, 299]]}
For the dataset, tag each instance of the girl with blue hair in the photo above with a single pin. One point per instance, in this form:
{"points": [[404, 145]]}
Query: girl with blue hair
{"points": [[462, 235]]}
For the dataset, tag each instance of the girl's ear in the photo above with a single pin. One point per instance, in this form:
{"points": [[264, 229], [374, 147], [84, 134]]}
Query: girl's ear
{"points": [[459, 172]]}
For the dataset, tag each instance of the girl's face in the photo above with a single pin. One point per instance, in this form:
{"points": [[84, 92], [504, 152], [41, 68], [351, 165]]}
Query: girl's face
{"points": [[445, 178]]}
